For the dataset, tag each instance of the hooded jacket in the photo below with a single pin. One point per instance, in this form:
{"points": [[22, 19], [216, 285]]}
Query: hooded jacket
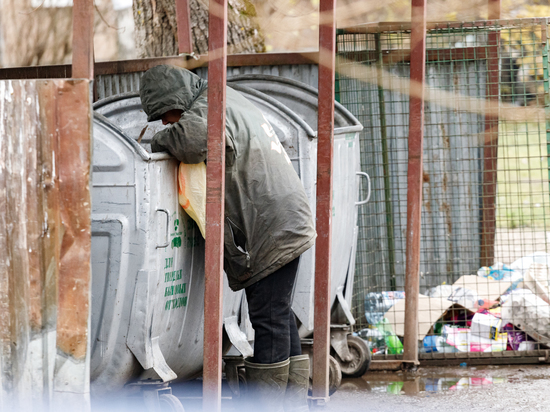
{"points": [[268, 222]]}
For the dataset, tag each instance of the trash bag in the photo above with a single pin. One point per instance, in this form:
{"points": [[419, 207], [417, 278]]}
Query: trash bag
{"points": [[537, 280], [527, 311], [467, 298], [499, 271], [192, 192], [441, 291]]}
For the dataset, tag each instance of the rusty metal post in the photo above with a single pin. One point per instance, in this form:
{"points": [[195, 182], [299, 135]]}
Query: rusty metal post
{"points": [[321, 342], [185, 42], [490, 149], [414, 178], [83, 39], [72, 369], [215, 207]]}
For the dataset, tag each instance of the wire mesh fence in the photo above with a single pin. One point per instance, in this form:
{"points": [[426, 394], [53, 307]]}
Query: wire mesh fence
{"points": [[485, 273]]}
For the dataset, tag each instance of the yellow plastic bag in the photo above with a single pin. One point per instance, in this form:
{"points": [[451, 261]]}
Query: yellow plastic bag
{"points": [[192, 192]]}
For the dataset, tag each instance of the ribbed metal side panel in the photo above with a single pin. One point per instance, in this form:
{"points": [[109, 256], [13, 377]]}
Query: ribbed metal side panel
{"points": [[305, 73], [109, 85]]}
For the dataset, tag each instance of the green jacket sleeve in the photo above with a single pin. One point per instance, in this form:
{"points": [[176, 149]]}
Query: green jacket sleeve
{"points": [[186, 140]]}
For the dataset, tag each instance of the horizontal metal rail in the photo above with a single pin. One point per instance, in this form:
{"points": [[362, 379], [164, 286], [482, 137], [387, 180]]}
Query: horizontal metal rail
{"points": [[404, 55], [241, 60], [141, 65], [393, 362], [381, 27]]}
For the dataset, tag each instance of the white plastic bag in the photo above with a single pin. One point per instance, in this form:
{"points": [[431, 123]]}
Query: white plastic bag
{"points": [[192, 192], [537, 280]]}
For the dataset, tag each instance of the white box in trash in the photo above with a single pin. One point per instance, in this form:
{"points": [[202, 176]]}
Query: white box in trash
{"points": [[486, 325]]}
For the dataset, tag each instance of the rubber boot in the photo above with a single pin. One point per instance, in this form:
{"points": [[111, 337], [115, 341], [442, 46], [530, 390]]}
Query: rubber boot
{"points": [[298, 384], [266, 385]]}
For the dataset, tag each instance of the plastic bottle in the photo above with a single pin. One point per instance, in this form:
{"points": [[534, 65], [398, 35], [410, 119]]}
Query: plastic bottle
{"points": [[430, 344], [378, 303], [393, 344], [395, 347], [375, 339]]}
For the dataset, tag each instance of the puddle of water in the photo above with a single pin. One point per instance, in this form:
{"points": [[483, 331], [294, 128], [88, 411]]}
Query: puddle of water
{"points": [[451, 384], [403, 384]]}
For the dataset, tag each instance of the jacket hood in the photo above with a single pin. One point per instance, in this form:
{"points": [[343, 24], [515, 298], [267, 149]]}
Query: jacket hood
{"points": [[165, 88]]}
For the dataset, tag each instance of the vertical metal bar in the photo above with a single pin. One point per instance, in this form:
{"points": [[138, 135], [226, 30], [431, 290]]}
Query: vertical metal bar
{"points": [[321, 343], [51, 245], [337, 96], [490, 149], [74, 117], [215, 208], [83, 39], [185, 44], [546, 80], [414, 178], [385, 163]]}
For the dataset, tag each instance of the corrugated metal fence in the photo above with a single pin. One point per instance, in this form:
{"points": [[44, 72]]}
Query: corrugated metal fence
{"points": [[112, 84]]}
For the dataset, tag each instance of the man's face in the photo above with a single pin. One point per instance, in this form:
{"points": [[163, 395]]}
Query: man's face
{"points": [[171, 116]]}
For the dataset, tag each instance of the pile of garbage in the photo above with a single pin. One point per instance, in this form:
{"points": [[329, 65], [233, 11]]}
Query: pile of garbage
{"points": [[500, 308]]}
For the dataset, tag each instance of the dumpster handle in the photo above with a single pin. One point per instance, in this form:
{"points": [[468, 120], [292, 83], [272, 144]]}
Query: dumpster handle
{"points": [[362, 202], [167, 229]]}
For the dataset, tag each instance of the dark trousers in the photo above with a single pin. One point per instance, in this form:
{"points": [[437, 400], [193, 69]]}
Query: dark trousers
{"points": [[269, 305]]}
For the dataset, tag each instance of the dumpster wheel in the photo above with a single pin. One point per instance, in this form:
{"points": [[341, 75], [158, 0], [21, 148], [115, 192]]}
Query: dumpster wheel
{"points": [[334, 376], [169, 403], [360, 361]]}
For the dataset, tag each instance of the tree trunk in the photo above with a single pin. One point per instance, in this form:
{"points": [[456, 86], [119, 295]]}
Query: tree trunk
{"points": [[156, 28], [36, 32], [34, 36]]}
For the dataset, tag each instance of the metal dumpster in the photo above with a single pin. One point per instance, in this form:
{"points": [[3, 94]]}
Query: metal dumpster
{"points": [[147, 266], [351, 354], [295, 128], [302, 100]]}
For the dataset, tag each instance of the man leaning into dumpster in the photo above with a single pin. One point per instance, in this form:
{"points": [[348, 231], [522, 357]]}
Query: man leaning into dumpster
{"points": [[268, 222]]}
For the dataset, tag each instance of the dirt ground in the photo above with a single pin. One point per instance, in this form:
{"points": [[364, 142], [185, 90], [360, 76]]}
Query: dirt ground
{"points": [[481, 388], [499, 388]]}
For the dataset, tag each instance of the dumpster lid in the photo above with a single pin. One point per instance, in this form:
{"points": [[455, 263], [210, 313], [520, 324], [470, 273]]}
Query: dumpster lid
{"points": [[299, 97], [275, 104], [115, 130], [126, 111]]}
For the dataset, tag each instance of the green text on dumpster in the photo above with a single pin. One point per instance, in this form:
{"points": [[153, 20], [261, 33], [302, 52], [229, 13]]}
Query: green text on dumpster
{"points": [[176, 235], [173, 275], [175, 289], [175, 303]]}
